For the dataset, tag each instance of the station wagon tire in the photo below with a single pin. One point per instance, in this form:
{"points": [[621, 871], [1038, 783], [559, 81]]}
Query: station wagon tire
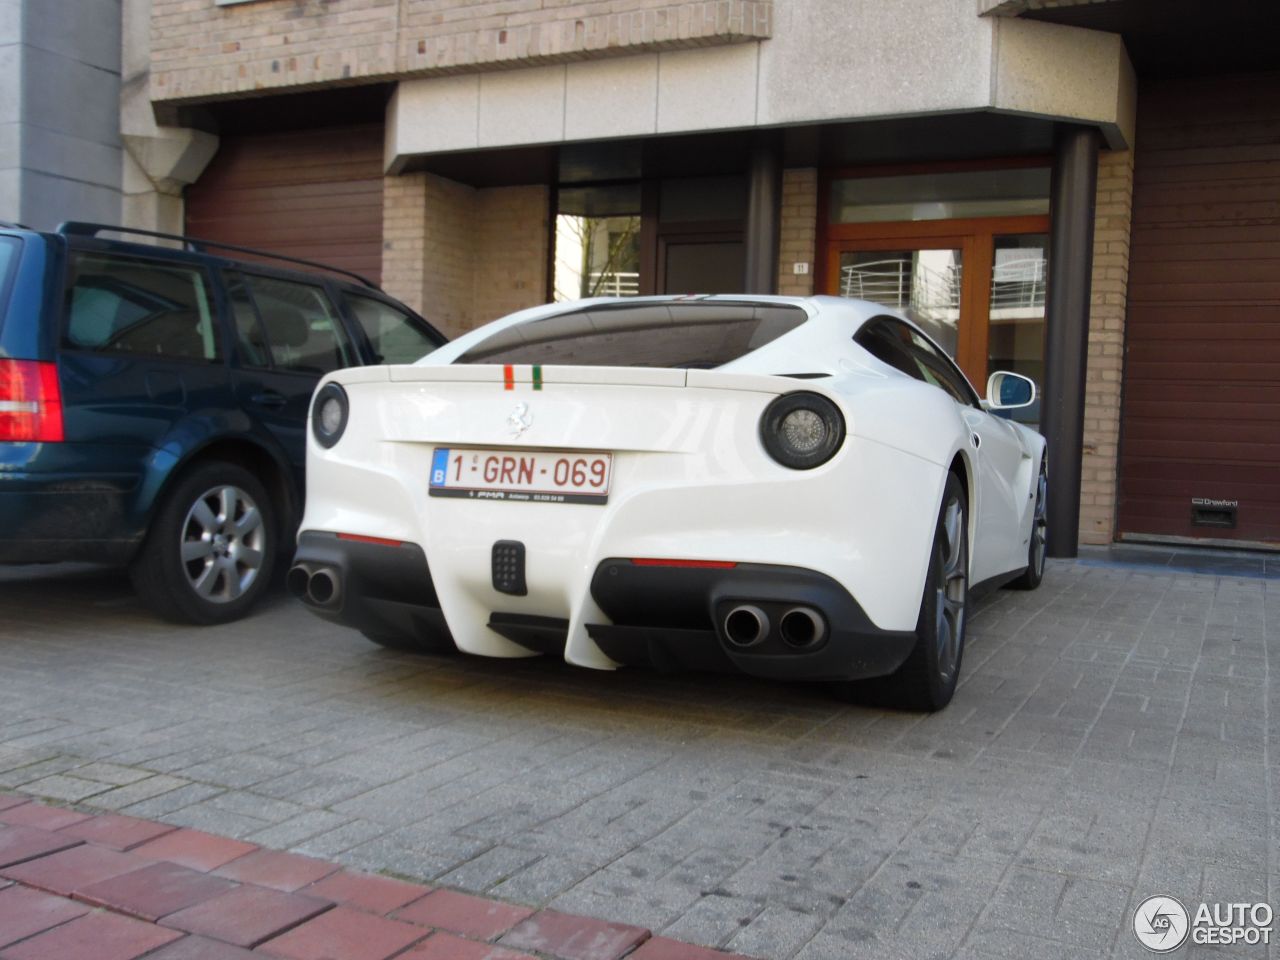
{"points": [[1031, 577], [927, 680], [211, 548]]}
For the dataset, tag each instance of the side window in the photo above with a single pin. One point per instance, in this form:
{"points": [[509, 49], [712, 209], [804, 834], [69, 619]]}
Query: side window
{"points": [[133, 305], [939, 370], [396, 337], [885, 344], [296, 326]]}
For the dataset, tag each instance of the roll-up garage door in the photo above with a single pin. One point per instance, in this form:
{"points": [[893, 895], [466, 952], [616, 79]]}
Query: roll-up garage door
{"points": [[1200, 431], [315, 194]]}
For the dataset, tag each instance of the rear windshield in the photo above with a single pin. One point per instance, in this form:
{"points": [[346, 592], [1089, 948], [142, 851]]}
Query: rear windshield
{"points": [[9, 247], [702, 335]]}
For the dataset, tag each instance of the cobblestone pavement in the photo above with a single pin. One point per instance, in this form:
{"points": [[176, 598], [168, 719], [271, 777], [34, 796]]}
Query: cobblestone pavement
{"points": [[1114, 737]]}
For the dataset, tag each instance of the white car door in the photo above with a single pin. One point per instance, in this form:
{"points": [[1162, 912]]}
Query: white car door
{"points": [[994, 446], [998, 546]]}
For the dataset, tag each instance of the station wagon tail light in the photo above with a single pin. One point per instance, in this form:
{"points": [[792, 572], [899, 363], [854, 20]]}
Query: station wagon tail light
{"points": [[30, 402]]}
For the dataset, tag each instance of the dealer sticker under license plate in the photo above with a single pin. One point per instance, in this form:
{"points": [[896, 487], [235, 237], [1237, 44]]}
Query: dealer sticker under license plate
{"points": [[538, 476]]}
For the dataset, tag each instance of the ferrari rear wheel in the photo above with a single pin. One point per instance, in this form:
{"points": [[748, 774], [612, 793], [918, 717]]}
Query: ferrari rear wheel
{"points": [[927, 680], [1031, 577]]}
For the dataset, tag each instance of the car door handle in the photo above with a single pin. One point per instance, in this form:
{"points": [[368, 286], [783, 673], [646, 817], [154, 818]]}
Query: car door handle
{"points": [[270, 398]]}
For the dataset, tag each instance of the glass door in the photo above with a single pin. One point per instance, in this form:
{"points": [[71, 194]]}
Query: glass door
{"points": [[977, 287]]}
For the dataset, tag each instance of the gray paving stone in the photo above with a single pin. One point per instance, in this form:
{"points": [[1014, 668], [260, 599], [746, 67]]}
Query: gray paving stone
{"points": [[1114, 736]]}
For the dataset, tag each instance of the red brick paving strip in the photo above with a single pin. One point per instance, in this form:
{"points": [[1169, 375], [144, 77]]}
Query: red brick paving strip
{"points": [[378, 895], [195, 849], [155, 891], [575, 938], [284, 903], [27, 843], [117, 831], [24, 913], [280, 871], [247, 916], [96, 936], [344, 934], [202, 948], [42, 817], [70, 870], [445, 946], [473, 917], [8, 800]]}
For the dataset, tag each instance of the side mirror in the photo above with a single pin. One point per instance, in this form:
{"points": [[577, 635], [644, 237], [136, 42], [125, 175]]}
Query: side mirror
{"points": [[1009, 391]]}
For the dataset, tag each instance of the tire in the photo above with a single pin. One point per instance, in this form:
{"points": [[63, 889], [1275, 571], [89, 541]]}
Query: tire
{"points": [[211, 548], [1031, 577], [927, 680]]}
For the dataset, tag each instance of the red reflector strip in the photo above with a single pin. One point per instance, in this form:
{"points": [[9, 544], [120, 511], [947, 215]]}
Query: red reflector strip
{"points": [[361, 538], [701, 564], [508, 377]]}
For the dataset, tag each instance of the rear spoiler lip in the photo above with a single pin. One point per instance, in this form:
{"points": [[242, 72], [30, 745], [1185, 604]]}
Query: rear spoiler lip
{"points": [[537, 377]]}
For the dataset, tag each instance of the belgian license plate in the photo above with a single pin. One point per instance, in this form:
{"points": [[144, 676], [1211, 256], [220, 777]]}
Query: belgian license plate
{"points": [[537, 476]]}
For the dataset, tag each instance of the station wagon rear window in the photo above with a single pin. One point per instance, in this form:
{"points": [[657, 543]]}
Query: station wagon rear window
{"points": [[8, 257], [697, 335]]}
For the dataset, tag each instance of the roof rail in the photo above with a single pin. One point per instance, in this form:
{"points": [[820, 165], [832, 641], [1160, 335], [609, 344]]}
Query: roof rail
{"points": [[9, 225], [76, 228]]}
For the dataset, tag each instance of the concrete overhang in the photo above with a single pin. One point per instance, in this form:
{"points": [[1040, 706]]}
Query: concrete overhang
{"points": [[947, 64]]}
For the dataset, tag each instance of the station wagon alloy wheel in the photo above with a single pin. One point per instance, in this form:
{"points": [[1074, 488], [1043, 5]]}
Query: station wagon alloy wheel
{"points": [[222, 544], [212, 546]]}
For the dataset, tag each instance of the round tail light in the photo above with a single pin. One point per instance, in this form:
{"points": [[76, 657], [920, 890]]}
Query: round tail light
{"points": [[802, 430], [329, 411]]}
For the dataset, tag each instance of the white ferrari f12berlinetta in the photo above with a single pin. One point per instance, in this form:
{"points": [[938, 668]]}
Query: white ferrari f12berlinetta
{"points": [[804, 489]]}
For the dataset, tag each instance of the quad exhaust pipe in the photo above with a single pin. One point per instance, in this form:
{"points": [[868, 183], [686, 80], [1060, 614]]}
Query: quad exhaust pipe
{"points": [[802, 627], [318, 586], [746, 625]]}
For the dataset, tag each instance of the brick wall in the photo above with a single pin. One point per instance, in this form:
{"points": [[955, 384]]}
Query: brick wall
{"points": [[201, 51], [798, 233], [461, 256], [1106, 346], [512, 243]]}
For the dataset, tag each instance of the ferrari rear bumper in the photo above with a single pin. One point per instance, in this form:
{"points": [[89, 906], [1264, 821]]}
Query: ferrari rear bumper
{"points": [[779, 622]]}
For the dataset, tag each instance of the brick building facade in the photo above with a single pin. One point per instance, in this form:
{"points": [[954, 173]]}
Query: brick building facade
{"points": [[649, 146]]}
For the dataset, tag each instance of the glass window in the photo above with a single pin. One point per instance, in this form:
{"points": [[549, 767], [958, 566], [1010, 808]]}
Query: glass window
{"points": [[299, 327], [923, 284], [395, 336], [1015, 337], [133, 305], [904, 349], [702, 335], [597, 242], [9, 248], [941, 196]]}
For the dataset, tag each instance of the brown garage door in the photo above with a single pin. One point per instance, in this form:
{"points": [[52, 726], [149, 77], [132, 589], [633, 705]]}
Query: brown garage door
{"points": [[1201, 414], [315, 194]]}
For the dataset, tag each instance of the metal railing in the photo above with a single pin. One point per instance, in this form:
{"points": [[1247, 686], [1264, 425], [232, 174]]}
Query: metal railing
{"points": [[1018, 284], [615, 284], [902, 284]]}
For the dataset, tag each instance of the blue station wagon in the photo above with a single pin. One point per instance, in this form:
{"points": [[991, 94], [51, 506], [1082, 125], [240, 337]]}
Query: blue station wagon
{"points": [[154, 402]]}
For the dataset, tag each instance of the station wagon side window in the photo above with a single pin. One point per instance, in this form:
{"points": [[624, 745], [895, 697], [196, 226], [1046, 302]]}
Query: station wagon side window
{"points": [[134, 305], [287, 325], [396, 337]]}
